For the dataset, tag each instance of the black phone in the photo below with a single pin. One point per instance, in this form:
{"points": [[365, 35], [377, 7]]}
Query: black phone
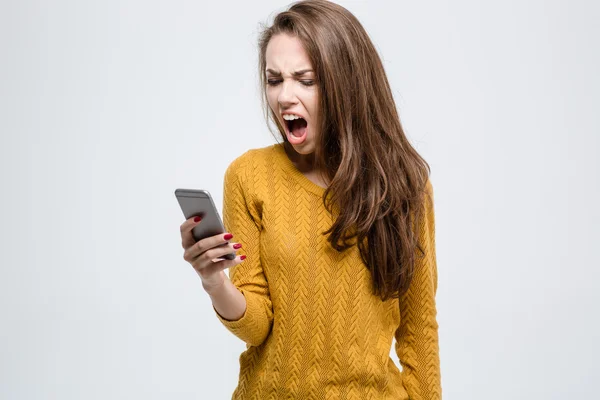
{"points": [[198, 202]]}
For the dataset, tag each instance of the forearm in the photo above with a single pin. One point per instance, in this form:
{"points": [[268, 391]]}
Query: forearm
{"points": [[227, 300]]}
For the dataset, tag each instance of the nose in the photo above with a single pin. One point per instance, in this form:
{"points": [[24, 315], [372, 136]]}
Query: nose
{"points": [[286, 95]]}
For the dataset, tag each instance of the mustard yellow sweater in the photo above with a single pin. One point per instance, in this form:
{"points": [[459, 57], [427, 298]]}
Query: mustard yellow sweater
{"points": [[313, 328]]}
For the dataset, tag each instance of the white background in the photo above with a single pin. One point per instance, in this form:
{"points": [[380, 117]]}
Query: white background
{"points": [[107, 107]]}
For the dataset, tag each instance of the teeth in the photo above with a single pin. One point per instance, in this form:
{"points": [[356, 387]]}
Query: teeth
{"points": [[290, 117]]}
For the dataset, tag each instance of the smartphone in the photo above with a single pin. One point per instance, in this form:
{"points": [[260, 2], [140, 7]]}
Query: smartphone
{"points": [[197, 202]]}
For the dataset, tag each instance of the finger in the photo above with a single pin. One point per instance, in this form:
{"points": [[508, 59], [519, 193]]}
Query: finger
{"points": [[220, 265], [204, 258], [218, 253], [206, 244], [187, 237]]}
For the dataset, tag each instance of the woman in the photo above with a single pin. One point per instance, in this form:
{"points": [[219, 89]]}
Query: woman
{"points": [[337, 223]]}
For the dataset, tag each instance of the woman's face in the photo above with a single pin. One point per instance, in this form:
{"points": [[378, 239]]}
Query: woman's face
{"points": [[292, 89]]}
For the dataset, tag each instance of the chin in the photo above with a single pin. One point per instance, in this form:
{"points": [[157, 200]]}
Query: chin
{"points": [[304, 148]]}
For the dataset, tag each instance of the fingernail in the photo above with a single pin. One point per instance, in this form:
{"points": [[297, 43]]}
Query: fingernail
{"points": [[197, 219], [228, 236], [242, 258], [237, 245]]}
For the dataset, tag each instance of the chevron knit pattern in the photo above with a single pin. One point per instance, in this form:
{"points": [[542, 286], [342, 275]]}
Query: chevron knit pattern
{"points": [[312, 327]]}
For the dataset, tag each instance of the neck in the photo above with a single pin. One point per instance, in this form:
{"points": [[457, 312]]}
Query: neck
{"points": [[304, 162]]}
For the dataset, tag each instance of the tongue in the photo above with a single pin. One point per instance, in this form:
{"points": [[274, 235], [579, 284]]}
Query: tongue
{"points": [[298, 127]]}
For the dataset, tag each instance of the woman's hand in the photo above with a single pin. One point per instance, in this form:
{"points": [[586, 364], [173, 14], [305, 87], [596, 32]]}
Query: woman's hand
{"points": [[203, 254]]}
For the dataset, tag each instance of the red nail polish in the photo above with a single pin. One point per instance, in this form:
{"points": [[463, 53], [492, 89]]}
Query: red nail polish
{"points": [[237, 245], [197, 219], [242, 258], [228, 236]]}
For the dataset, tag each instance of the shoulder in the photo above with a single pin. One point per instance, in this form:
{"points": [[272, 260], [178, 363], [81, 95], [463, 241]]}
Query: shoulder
{"points": [[429, 206], [429, 191], [429, 186], [250, 159], [426, 203]]}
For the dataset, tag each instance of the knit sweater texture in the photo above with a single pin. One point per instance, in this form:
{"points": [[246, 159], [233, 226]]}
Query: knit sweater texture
{"points": [[313, 328]]}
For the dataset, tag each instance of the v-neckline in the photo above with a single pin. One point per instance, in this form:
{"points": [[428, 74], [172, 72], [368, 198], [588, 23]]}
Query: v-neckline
{"points": [[289, 166]]}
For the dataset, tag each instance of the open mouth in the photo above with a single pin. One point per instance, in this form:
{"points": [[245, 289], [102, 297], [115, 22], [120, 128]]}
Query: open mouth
{"points": [[297, 127]]}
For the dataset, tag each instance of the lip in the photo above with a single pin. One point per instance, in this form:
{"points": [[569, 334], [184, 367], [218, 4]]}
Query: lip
{"points": [[291, 112]]}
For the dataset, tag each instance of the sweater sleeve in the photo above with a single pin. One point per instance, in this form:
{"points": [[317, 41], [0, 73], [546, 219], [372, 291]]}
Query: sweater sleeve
{"points": [[417, 335], [242, 218]]}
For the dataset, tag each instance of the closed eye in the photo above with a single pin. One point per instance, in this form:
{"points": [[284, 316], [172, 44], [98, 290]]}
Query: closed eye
{"points": [[272, 82]]}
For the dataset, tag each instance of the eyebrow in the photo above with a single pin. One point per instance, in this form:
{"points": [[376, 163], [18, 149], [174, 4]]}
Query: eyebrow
{"points": [[295, 73]]}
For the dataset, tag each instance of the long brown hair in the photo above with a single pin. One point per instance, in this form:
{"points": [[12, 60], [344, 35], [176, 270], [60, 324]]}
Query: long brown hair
{"points": [[376, 177]]}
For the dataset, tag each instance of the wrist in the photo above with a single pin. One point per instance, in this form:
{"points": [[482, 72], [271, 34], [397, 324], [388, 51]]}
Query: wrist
{"points": [[214, 284]]}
